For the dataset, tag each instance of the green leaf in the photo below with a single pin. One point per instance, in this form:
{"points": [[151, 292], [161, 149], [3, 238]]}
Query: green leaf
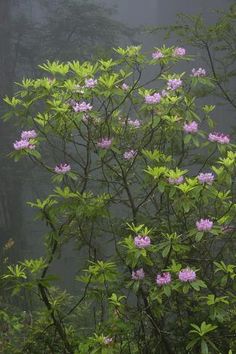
{"points": [[186, 288], [192, 343], [204, 347], [167, 290], [195, 286], [199, 236], [166, 250]]}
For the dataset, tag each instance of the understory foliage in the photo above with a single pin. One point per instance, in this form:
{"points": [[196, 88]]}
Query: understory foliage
{"points": [[142, 186]]}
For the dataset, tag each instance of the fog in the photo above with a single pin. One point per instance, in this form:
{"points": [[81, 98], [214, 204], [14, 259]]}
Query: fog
{"points": [[32, 31]]}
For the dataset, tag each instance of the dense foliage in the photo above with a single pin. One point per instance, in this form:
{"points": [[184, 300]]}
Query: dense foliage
{"points": [[143, 185]]}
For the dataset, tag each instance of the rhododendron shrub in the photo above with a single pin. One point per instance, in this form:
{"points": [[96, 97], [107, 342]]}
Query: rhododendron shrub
{"points": [[214, 43], [139, 186]]}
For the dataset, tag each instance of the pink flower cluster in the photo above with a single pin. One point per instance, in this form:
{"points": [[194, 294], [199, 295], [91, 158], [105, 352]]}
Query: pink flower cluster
{"points": [[153, 99], [82, 107], [142, 241], [90, 83], [63, 168], [157, 55], [134, 123], [164, 93], [163, 278], [108, 340], [174, 84], [177, 180], [204, 225], [104, 143], [206, 178], [138, 274], [219, 138], [25, 143], [125, 87], [179, 52], [28, 134], [186, 275], [191, 127], [130, 154], [198, 72]]}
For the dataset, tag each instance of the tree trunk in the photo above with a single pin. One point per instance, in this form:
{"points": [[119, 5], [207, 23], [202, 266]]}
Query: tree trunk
{"points": [[10, 186]]}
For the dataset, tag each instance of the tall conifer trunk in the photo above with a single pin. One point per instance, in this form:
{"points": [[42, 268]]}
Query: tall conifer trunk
{"points": [[10, 186]]}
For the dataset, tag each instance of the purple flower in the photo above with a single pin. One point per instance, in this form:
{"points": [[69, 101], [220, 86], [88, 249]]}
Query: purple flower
{"points": [[206, 178], [174, 84], [23, 144], [163, 278], [108, 340], [134, 123], [152, 99], [104, 143], [142, 241], [90, 83], [219, 138], [179, 52], [204, 225], [125, 87], [62, 168], [71, 102], [187, 274], [130, 154], [177, 180], [82, 107], [164, 93], [157, 55], [198, 72], [138, 274], [28, 134], [191, 127]]}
